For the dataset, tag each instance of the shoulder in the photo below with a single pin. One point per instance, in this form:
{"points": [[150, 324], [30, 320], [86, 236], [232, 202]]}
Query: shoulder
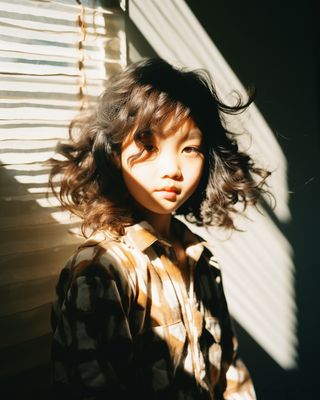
{"points": [[100, 253], [92, 281], [100, 260]]}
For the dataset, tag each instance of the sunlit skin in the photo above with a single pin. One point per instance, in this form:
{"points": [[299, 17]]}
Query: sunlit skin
{"points": [[167, 172]]}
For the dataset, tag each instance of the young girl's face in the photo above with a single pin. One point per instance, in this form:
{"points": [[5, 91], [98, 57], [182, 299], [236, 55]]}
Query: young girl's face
{"points": [[169, 169]]}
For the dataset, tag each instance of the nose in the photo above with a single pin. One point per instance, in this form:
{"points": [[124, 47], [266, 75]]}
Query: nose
{"points": [[170, 165]]}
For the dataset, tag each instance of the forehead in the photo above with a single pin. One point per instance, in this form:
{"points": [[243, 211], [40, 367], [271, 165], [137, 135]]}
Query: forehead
{"points": [[185, 126]]}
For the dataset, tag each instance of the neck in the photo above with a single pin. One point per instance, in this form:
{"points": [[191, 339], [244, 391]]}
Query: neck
{"points": [[161, 223]]}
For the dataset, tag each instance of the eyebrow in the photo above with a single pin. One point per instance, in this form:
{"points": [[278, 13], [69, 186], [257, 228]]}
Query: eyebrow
{"points": [[194, 133]]}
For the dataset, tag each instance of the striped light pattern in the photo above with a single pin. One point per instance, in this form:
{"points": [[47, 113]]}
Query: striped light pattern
{"points": [[55, 59]]}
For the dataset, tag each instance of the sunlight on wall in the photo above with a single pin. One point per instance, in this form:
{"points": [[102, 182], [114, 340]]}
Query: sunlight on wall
{"points": [[45, 80], [257, 264]]}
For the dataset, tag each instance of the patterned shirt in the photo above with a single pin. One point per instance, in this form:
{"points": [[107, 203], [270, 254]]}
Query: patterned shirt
{"points": [[125, 324]]}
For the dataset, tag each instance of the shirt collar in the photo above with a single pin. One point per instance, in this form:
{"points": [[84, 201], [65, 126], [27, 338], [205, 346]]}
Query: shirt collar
{"points": [[143, 236]]}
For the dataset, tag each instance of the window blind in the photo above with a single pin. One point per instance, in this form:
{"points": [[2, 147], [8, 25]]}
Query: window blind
{"points": [[55, 59]]}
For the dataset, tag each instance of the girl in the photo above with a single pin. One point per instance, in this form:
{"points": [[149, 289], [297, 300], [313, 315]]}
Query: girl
{"points": [[140, 309]]}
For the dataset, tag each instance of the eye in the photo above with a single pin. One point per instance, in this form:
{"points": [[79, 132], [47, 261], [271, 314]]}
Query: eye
{"points": [[146, 140], [191, 149], [149, 147]]}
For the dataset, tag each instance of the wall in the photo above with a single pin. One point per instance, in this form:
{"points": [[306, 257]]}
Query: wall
{"points": [[55, 58], [273, 46]]}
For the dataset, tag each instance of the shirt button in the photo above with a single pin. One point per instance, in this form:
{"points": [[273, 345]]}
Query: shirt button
{"points": [[218, 279]]}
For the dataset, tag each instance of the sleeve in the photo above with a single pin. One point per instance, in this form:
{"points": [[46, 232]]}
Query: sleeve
{"points": [[92, 345], [239, 385]]}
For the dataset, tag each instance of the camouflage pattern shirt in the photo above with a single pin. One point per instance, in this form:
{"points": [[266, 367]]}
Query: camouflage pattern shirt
{"points": [[125, 324]]}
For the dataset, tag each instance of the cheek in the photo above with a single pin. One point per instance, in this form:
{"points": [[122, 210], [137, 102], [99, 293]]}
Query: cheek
{"points": [[137, 181], [193, 172], [129, 180], [137, 174]]}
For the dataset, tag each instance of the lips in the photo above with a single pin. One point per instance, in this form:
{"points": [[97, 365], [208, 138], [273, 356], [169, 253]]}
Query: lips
{"points": [[169, 193], [169, 189]]}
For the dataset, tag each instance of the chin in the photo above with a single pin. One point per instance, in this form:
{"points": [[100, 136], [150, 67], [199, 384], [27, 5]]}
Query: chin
{"points": [[165, 210], [161, 208]]}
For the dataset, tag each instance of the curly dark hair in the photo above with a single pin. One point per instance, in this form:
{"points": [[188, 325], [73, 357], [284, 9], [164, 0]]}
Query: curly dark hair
{"points": [[142, 97]]}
